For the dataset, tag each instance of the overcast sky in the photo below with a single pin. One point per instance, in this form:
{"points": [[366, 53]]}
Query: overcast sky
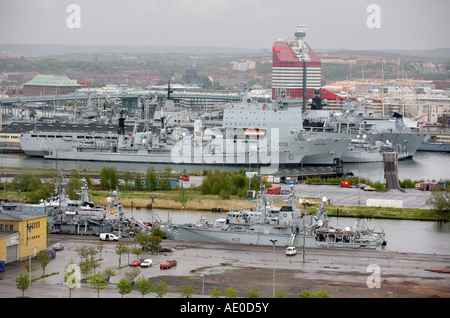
{"points": [[331, 24]]}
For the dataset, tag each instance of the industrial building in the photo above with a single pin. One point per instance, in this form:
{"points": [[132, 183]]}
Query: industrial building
{"points": [[20, 235], [43, 85]]}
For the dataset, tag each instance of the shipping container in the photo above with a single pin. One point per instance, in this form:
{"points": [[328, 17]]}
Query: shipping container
{"points": [[274, 190]]}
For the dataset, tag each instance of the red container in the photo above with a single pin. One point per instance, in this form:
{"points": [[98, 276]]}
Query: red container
{"points": [[274, 190]]}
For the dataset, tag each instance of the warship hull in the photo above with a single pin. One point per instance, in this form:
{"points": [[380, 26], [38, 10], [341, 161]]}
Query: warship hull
{"points": [[192, 234]]}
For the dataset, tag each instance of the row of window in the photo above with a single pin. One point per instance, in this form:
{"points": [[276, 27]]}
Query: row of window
{"points": [[6, 227]]}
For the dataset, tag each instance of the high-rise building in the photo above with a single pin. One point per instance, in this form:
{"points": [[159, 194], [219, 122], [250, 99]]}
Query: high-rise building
{"points": [[296, 69]]}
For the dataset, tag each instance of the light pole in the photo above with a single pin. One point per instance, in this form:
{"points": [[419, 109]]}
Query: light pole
{"points": [[273, 266], [30, 227], [203, 284]]}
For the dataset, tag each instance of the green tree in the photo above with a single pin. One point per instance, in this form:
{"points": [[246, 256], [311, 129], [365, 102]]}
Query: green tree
{"points": [[161, 289], [144, 286], [215, 293], [109, 179], [125, 286], [253, 293], [98, 282], [440, 199], [44, 259], [150, 179], [120, 250], [230, 292], [127, 179], [23, 282], [187, 291], [74, 185]]}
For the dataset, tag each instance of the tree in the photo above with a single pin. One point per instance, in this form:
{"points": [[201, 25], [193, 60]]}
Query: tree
{"points": [[23, 282], [150, 179], [127, 179], [215, 293], [161, 289], [253, 293], [74, 185], [136, 250], [440, 199], [44, 259], [144, 286], [100, 247], [187, 291], [125, 286], [98, 282], [120, 250], [230, 292], [318, 294], [108, 178]]}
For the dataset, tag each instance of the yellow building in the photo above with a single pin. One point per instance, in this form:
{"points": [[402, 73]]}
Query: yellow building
{"points": [[20, 233]]}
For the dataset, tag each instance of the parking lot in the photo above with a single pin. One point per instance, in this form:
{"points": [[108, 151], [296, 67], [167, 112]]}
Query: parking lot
{"points": [[341, 273]]}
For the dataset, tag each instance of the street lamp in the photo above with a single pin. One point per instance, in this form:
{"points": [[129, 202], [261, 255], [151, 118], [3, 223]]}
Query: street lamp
{"points": [[273, 266], [30, 227], [203, 284]]}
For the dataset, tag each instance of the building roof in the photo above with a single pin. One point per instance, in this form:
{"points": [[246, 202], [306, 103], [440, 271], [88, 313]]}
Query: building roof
{"points": [[5, 216], [52, 80]]}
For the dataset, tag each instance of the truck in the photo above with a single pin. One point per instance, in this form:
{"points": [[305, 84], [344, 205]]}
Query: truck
{"points": [[291, 251], [108, 237]]}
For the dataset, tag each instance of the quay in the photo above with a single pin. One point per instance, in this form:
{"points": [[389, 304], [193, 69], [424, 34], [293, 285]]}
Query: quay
{"points": [[340, 273]]}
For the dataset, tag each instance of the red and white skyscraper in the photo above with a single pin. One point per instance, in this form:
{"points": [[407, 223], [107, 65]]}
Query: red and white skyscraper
{"points": [[296, 69]]}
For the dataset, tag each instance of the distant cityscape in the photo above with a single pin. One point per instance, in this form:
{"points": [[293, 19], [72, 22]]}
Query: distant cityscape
{"points": [[417, 84]]}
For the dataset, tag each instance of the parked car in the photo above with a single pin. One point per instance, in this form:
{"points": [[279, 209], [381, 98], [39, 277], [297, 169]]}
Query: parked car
{"points": [[369, 188], [108, 237], [291, 251], [58, 247], [146, 263], [136, 262], [168, 264]]}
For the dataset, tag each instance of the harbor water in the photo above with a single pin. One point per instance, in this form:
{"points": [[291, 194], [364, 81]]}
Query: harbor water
{"points": [[402, 235], [424, 165]]}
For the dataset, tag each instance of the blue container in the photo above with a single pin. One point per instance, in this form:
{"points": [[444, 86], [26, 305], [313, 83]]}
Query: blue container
{"points": [[2, 266]]}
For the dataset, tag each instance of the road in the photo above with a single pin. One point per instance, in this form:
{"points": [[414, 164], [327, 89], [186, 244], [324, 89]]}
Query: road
{"points": [[341, 273]]}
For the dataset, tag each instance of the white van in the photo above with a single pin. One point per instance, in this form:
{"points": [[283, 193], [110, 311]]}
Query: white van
{"points": [[291, 251], [108, 237]]}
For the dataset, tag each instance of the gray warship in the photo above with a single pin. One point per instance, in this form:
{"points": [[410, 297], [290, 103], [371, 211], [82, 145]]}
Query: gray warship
{"points": [[251, 133], [355, 122], [81, 216], [287, 225]]}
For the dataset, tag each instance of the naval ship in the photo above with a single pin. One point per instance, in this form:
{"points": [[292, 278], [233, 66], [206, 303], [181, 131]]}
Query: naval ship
{"points": [[363, 127], [81, 216], [282, 226], [251, 133]]}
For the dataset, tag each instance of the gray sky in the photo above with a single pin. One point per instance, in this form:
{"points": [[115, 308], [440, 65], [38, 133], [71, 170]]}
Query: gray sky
{"points": [[404, 24]]}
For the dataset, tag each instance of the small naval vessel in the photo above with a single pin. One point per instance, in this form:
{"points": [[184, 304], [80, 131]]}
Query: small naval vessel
{"points": [[286, 225], [81, 216]]}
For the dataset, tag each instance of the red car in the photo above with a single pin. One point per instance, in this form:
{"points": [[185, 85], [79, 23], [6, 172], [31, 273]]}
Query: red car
{"points": [[168, 264], [136, 262]]}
